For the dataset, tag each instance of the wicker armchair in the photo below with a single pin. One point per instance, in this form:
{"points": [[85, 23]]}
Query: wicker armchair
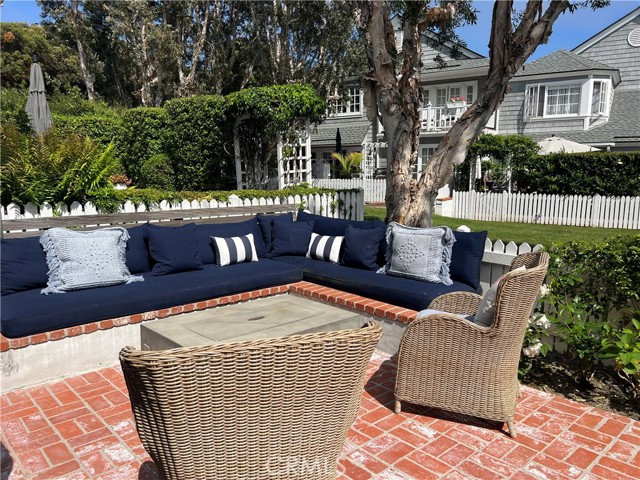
{"points": [[275, 408], [452, 364]]}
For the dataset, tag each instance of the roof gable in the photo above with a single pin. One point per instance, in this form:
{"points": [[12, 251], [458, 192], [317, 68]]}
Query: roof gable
{"points": [[607, 31]]}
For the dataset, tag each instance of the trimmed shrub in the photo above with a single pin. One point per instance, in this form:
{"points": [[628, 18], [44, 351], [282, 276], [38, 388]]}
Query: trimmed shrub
{"points": [[12, 103], [594, 302], [601, 173], [156, 172], [102, 129], [200, 143], [144, 134]]}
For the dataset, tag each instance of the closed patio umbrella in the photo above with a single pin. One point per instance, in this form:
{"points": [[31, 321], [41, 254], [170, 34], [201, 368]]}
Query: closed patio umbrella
{"points": [[37, 108], [338, 142]]}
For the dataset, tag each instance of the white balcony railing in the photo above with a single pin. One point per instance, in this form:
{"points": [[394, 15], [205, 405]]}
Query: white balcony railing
{"points": [[435, 119]]}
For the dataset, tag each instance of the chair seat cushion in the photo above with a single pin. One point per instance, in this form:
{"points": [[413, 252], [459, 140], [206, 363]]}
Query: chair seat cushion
{"points": [[429, 311], [28, 312]]}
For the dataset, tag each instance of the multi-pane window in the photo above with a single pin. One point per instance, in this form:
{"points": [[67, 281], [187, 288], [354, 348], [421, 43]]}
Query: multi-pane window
{"points": [[563, 100], [470, 94], [423, 158], [427, 97], [351, 105], [600, 98], [552, 100], [454, 93], [441, 97]]}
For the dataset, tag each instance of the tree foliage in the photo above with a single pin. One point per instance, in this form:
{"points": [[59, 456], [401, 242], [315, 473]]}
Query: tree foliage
{"points": [[19, 42], [144, 53]]}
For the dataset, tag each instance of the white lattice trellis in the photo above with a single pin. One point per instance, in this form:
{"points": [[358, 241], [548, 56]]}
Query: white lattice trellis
{"points": [[294, 160]]}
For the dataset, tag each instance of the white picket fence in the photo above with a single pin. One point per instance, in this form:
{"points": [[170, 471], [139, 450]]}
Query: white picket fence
{"points": [[342, 204], [497, 258], [584, 211], [374, 190]]}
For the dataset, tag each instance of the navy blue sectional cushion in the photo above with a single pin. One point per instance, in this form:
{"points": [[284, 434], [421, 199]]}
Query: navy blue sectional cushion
{"points": [[137, 253], [404, 292], [466, 258], [382, 253], [24, 265], [290, 238], [173, 249], [362, 247], [28, 312], [331, 226], [266, 226], [204, 232]]}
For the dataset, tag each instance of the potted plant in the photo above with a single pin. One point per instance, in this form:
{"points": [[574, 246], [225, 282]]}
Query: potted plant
{"points": [[456, 102], [120, 181]]}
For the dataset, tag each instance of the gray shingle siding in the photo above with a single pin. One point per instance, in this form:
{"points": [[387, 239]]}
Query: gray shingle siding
{"points": [[614, 50], [512, 116]]}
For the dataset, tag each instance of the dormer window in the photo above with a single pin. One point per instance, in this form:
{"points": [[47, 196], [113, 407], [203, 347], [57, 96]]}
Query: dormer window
{"points": [[349, 105]]}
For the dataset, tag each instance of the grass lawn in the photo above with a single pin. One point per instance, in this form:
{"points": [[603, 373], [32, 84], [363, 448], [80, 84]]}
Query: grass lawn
{"points": [[520, 232]]}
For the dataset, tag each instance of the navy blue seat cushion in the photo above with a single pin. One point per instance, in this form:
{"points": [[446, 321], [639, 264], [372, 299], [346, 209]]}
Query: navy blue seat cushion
{"points": [[290, 238], [266, 226], [466, 257], [362, 247], [403, 292], [29, 312], [173, 249], [331, 226], [204, 232], [24, 265], [137, 253]]}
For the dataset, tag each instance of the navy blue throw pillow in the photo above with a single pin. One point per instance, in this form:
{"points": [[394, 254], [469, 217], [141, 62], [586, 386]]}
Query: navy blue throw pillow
{"points": [[266, 227], [173, 249], [331, 226], [382, 252], [362, 247], [290, 238], [137, 253], [466, 257], [24, 265]]}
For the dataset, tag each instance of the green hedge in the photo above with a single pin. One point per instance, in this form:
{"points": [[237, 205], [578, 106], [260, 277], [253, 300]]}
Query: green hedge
{"points": [[594, 302], [200, 143], [144, 134], [102, 129], [601, 173]]}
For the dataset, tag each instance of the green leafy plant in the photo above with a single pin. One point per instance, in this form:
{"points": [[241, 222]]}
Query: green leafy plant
{"points": [[48, 168], [595, 303], [157, 172], [349, 164]]}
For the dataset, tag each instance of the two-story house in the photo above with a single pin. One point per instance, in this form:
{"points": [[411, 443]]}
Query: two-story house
{"points": [[590, 95]]}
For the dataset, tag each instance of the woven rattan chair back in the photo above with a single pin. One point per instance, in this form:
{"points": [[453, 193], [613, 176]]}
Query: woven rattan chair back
{"points": [[452, 364], [277, 408]]}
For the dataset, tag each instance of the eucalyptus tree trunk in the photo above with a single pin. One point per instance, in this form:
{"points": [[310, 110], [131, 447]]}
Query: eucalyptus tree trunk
{"points": [[395, 94], [187, 82], [86, 74]]}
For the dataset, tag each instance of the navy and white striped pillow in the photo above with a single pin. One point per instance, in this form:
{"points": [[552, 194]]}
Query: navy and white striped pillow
{"points": [[232, 250], [325, 247]]}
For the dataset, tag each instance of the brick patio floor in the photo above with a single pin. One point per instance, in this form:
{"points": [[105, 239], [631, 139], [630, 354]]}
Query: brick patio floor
{"points": [[81, 427]]}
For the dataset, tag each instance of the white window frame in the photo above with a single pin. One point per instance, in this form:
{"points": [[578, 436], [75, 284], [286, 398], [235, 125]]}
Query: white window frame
{"points": [[535, 105], [352, 107], [604, 102], [422, 159]]}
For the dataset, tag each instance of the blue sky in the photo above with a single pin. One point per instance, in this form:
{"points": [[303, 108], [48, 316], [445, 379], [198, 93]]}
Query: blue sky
{"points": [[569, 31]]}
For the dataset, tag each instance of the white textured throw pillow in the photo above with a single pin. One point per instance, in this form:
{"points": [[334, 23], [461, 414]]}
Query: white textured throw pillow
{"points": [[325, 247], [78, 260], [233, 250], [419, 253], [484, 315]]}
